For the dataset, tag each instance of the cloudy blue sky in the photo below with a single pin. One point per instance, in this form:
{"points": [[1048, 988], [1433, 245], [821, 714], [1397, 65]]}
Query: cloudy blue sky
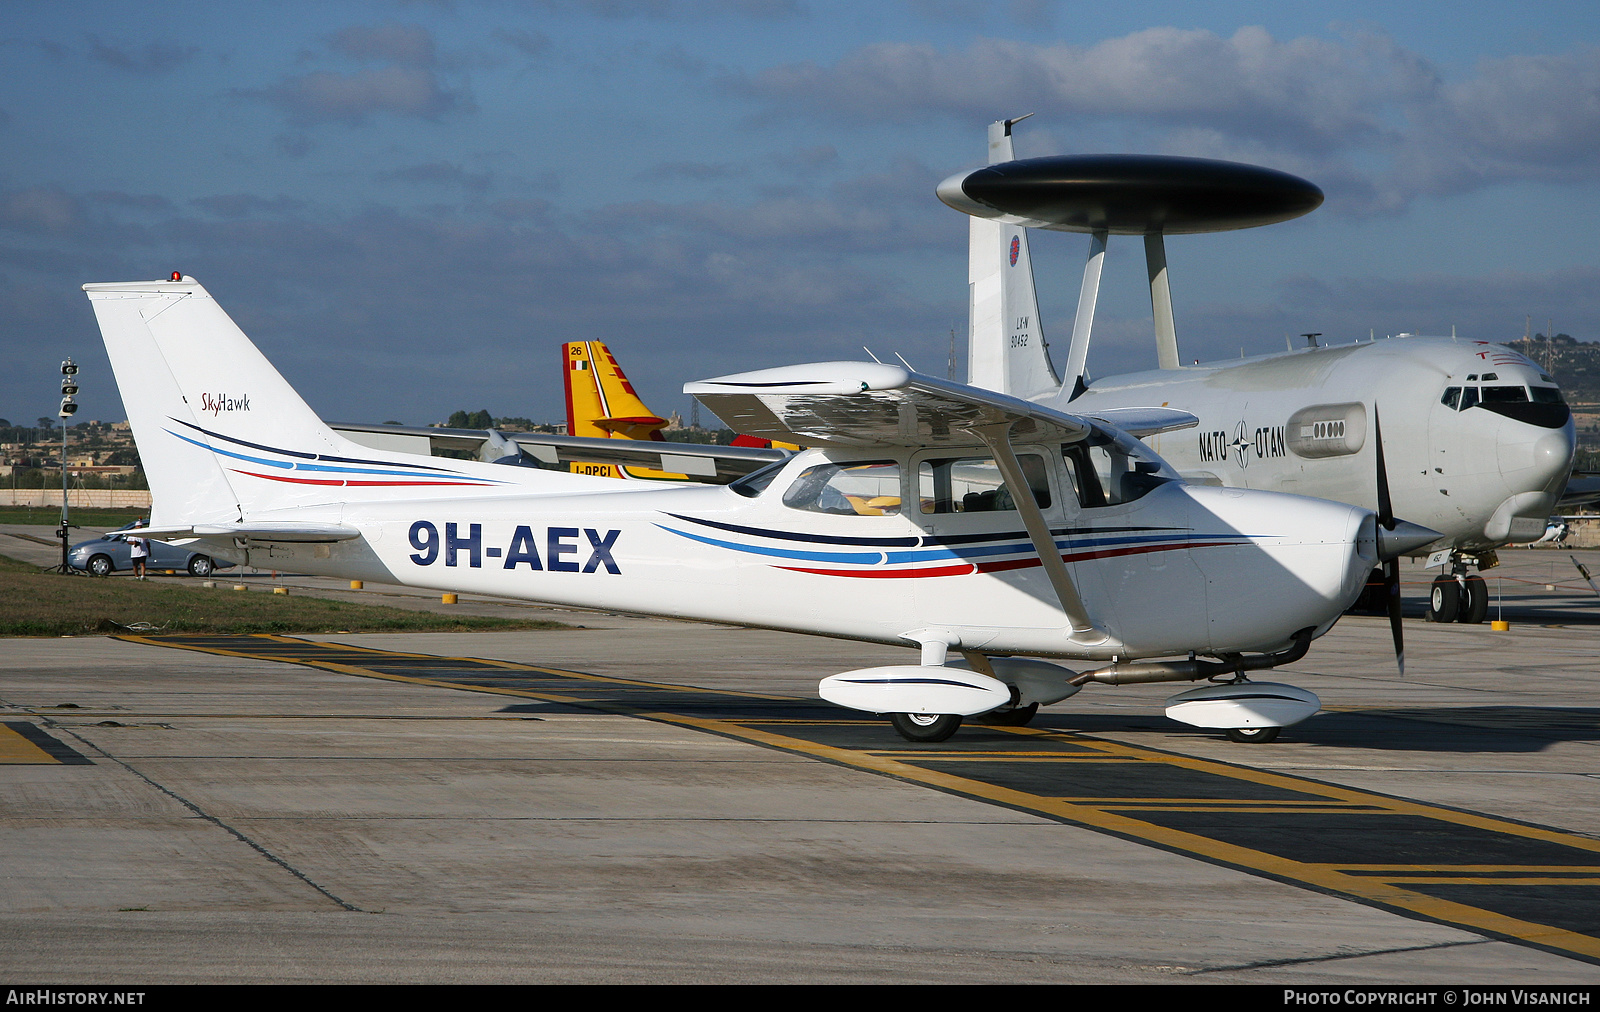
{"points": [[408, 205]]}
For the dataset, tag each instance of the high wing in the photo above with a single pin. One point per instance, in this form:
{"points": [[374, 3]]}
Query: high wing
{"points": [[1582, 490], [864, 404], [711, 463], [860, 404], [1142, 422]]}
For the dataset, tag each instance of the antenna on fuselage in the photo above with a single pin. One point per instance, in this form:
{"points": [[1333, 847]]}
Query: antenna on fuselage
{"points": [[1152, 196]]}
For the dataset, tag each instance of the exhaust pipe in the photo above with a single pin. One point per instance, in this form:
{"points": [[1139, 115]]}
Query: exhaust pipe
{"points": [[1191, 670]]}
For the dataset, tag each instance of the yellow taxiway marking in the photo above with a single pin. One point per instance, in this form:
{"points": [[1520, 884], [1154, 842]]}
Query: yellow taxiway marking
{"points": [[17, 750], [1098, 813]]}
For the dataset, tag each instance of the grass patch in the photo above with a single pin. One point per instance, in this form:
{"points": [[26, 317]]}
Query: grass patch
{"points": [[46, 604], [87, 516]]}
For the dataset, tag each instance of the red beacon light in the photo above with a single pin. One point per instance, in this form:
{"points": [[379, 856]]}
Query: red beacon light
{"points": [[177, 275]]}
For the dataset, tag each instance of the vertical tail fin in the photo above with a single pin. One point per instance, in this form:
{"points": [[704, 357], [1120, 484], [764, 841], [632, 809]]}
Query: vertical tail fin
{"points": [[1006, 350], [221, 434], [601, 403]]}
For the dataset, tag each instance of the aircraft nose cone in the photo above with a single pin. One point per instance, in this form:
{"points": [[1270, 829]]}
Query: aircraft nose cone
{"points": [[1405, 537], [1539, 464]]}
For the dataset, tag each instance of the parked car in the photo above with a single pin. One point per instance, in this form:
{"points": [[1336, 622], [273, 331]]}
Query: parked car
{"points": [[111, 552]]}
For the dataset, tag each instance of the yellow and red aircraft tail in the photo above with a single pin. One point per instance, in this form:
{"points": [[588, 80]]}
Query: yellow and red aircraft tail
{"points": [[602, 404]]}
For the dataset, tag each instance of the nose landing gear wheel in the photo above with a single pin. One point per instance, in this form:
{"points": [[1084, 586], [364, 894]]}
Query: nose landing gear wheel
{"points": [[1253, 735], [925, 726], [1444, 599], [1474, 600]]}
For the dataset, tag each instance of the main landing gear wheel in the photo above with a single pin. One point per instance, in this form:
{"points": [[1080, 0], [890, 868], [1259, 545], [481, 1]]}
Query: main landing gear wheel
{"points": [[925, 726], [1444, 599], [1474, 600], [1253, 735], [100, 565], [1016, 716]]}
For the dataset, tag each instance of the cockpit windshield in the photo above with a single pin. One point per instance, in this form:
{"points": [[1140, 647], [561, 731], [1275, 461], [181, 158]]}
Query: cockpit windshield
{"points": [[1463, 397], [1111, 467]]}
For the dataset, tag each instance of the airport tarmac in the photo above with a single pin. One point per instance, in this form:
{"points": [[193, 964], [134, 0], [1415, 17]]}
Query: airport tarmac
{"points": [[651, 801]]}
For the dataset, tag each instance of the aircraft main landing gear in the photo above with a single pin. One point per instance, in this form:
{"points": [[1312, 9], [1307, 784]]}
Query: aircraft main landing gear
{"points": [[1249, 735], [925, 727]]}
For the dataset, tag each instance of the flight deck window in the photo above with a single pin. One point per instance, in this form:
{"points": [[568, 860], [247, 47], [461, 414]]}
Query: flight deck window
{"points": [[1469, 397], [855, 488], [1451, 398], [1547, 395], [974, 485], [1505, 395]]}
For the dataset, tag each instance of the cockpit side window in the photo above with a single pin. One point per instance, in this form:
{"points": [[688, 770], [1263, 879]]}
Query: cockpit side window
{"points": [[854, 488], [1547, 395], [1451, 398], [756, 482]]}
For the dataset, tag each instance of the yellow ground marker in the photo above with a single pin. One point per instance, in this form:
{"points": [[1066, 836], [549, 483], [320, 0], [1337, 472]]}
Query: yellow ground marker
{"points": [[15, 749]]}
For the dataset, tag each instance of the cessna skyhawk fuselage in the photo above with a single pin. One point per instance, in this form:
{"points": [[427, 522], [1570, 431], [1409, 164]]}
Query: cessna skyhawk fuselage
{"points": [[928, 513]]}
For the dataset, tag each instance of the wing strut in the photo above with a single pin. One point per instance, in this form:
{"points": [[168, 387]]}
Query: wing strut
{"points": [[998, 439]]}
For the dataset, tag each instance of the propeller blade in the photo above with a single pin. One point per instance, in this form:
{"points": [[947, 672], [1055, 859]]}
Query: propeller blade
{"points": [[1385, 507], [1391, 589], [1391, 566]]}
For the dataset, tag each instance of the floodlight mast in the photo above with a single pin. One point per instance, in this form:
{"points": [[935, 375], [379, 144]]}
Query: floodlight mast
{"points": [[69, 407]]}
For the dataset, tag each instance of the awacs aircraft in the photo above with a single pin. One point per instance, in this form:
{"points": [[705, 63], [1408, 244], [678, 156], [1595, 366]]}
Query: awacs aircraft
{"points": [[927, 512], [1485, 441]]}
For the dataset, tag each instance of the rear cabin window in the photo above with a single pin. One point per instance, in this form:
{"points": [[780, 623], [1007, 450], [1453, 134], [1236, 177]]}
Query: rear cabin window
{"points": [[974, 485], [853, 488]]}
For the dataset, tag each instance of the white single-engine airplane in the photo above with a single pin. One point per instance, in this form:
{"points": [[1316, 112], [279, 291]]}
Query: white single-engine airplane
{"points": [[930, 512], [1480, 440]]}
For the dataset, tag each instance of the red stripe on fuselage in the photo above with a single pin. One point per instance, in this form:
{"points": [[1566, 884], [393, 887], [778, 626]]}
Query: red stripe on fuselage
{"points": [[1004, 566]]}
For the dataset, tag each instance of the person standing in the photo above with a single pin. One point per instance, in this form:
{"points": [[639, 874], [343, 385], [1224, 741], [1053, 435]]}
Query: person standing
{"points": [[140, 548]]}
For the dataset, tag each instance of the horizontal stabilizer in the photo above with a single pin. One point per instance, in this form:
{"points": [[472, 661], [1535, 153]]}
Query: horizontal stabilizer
{"points": [[702, 460], [1143, 422], [281, 532], [871, 404]]}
